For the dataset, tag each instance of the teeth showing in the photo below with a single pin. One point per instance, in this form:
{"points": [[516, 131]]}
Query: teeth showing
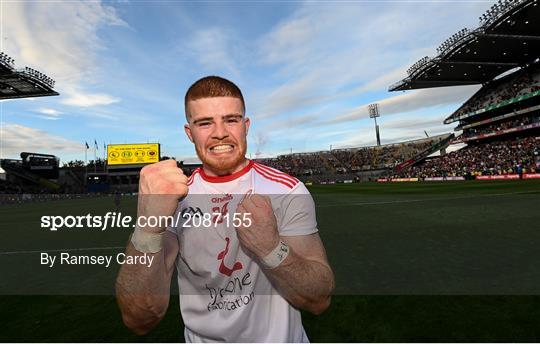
{"points": [[222, 148]]}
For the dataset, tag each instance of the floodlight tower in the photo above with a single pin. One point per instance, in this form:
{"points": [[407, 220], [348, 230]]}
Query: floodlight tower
{"points": [[373, 110]]}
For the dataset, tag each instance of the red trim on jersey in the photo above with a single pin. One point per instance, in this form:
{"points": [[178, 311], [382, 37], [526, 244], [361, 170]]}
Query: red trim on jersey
{"points": [[227, 178], [190, 179], [277, 173], [266, 175]]}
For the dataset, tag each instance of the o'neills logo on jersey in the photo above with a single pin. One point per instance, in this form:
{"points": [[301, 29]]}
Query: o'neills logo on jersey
{"points": [[227, 197]]}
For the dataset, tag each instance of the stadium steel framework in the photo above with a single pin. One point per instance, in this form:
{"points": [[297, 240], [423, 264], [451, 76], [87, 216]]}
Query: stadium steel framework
{"points": [[508, 37], [23, 83]]}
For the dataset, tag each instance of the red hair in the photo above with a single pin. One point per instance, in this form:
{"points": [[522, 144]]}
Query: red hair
{"points": [[210, 87]]}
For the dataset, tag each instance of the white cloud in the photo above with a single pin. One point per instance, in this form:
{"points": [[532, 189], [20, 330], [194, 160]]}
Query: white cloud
{"points": [[50, 118], [330, 51], [413, 122], [18, 138], [410, 101], [213, 49], [367, 137], [382, 81], [61, 40], [415, 100], [89, 100], [49, 112], [281, 45], [290, 123]]}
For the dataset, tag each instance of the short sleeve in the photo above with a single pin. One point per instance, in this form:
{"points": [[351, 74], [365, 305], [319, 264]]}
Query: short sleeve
{"points": [[297, 213]]}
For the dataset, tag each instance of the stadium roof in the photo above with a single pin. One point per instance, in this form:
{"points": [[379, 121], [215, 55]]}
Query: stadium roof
{"points": [[23, 83], [508, 37]]}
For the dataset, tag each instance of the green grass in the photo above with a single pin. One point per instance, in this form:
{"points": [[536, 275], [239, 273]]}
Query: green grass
{"points": [[453, 261]]}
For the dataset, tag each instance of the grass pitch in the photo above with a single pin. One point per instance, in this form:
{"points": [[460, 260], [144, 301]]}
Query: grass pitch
{"points": [[438, 261]]}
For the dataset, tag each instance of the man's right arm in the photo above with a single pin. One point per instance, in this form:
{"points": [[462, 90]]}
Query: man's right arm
{"points": [[143, 291]]}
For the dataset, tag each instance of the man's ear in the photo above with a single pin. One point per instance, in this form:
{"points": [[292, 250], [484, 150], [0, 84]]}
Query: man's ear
{"points": [[247, 122], [187, 129]]}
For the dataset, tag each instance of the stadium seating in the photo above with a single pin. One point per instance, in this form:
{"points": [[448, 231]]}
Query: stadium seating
{"points": [[343, 164], [502, 125], [494, 158], [524, 82]]}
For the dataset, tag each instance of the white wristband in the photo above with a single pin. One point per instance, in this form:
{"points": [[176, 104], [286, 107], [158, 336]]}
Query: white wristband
{"points": [[146, 242], [276, 257]]}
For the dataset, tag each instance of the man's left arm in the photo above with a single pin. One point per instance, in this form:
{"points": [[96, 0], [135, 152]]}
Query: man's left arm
{"points": [[304, 277]]}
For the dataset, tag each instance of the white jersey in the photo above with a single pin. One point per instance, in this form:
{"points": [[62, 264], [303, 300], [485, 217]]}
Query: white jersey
{"points": [[224, 294]]}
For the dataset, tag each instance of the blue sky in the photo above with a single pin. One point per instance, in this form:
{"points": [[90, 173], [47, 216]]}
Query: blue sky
{"points": [[307, 70]]}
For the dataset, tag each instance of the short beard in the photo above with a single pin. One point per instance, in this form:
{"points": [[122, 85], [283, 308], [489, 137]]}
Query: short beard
{"points": [[223, 166]]}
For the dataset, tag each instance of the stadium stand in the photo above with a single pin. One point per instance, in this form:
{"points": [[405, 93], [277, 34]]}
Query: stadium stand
{"points": [[515, 156], [500, 123], [34, 172], [22, 83], [513, 88], [360, 163], [501, 127]]}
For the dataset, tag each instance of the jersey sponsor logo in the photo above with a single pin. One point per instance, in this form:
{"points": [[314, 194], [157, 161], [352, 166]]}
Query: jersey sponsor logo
{"points": [[221, 257], [231, 295]]}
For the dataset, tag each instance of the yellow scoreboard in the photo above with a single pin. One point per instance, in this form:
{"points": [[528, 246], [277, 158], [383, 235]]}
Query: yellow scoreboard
{"points": [[133, 153]]}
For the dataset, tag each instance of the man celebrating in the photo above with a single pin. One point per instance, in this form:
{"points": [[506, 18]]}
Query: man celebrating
{"points": [[246, 250]]}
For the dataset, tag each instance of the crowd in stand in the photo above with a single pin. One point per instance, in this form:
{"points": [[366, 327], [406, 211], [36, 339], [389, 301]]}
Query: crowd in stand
{"points": [[495, 158], [349, 161], [380, 157], [519, 155], [503, 125], [526, 82]]}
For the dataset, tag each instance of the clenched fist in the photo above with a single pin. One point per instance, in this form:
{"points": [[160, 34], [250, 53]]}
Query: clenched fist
{"points": [[262, 236], [161, 185]]}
